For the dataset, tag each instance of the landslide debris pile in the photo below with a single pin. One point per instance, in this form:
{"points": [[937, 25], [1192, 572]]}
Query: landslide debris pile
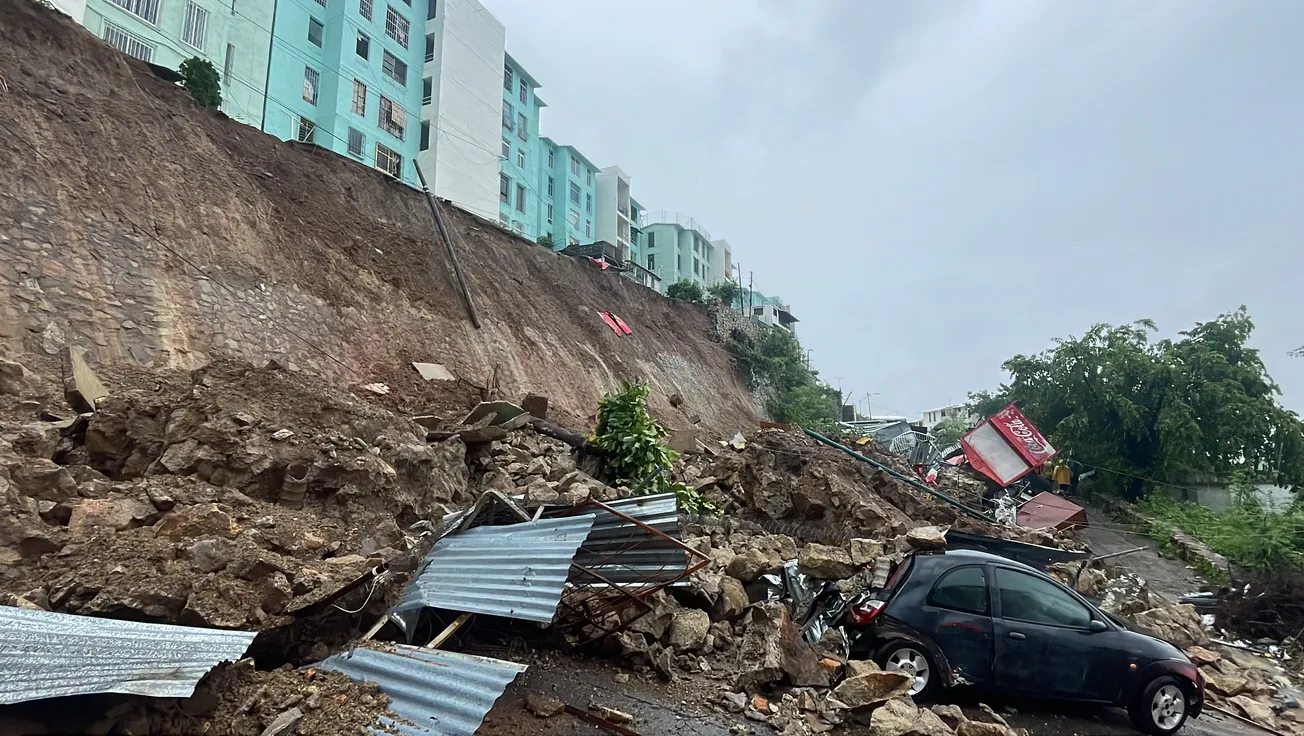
{"points": [[233, 497]]}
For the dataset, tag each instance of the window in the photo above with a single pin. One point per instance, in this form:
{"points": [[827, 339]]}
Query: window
{"points": [[552, 185], [520, 197], [509, 116], [504, 188], [588, 203], [574, 193], [507, 149], [430, 47], [393, 118], [550, 158], [588, 228], [575, 219], [363, 47], [357, 142], [525, 90], [311, 84], [394, 68], [359, 98], [575, 167], [522, 126], [432, 10], [507, 78], [147, 9], [425, 135], [502, 220], [364, 8], [516, 225], [127, 42], [321, 3], [651, 262], [229, 65], [195, 31], [961, 589], [396, 26], [573, 240], [697, 267], [520, 157], [307, 130], [1026, 598], [589, 177], [314, 31], [651, 241], [549, 214], [388, 161], [427, 90]]}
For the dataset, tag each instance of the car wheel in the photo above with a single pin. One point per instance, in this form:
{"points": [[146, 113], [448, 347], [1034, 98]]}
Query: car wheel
{"points": [[1160, 708], [911, 659]]}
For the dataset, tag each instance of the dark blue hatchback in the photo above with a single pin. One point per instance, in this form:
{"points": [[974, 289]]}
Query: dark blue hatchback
{"points": [[971, 618]]}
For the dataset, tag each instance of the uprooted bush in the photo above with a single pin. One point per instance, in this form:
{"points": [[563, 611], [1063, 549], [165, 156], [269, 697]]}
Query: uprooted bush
{"points": [[634, 451], [1271, 605]]}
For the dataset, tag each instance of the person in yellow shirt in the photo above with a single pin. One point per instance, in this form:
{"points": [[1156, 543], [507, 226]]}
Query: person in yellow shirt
{"points": [[1062, 477]]}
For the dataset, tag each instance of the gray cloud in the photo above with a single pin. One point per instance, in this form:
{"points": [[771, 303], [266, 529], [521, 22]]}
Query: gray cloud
{"points": [[936, 186]]}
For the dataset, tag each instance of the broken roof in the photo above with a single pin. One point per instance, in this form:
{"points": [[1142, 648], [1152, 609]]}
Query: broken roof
{"points": [[50, 655]]}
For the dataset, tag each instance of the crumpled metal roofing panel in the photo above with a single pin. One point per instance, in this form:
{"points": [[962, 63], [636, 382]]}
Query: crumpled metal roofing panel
{"points": [[515, 571], [626, 553], [50, 655], [437, 692]]}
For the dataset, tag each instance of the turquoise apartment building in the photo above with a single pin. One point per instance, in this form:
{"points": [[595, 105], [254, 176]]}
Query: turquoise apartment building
{"points": [[568, 187], [521, 207], [347, 75], [677, 248], [234, 36]]}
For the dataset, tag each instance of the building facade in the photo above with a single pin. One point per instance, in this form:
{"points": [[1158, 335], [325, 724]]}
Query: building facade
{"points": [[235, 38], [465, 51], [520, 206], [677, 248], [933, 417], [568, 188]]}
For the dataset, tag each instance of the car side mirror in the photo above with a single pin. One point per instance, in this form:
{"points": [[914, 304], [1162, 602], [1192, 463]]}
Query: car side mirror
{"points": [[1096, 626]]}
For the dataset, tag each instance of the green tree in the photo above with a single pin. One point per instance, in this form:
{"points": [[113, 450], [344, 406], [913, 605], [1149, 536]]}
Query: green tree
{"points": [[726, 292], [546, 241], [949, 431], [686, 291], [1158, 410], [201, 78], [775, 364]]}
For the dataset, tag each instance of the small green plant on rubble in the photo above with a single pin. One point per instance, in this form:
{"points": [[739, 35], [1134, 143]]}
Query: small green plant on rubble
{"points": [[201, 78], [633, 447]]}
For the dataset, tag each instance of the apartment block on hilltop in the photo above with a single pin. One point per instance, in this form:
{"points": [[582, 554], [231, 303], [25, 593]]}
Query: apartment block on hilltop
{"points": [[235, 38], [769, 310], [568, 186], [520, 206], [678, 249]]}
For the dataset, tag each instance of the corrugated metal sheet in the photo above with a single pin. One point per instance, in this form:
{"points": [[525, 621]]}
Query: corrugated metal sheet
{"points": [[626, 553], [48, 655], [437, 692], [516, 571]]}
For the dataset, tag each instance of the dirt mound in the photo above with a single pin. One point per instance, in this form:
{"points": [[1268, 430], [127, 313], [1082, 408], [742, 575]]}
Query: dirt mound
{"points": [[785, 476]]}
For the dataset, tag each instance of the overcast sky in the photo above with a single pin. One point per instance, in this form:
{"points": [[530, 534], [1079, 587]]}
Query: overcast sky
{"points": [[935, 187]]}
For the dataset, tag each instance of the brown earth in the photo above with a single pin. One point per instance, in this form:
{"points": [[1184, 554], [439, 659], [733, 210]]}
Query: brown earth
{"points": [[144, 228]]}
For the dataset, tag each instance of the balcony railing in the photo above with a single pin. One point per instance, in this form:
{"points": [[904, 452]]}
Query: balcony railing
{"points": [[676, 218]]}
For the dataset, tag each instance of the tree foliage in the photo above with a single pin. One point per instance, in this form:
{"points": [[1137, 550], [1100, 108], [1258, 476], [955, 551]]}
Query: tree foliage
{"points": [[201, 78], [1203, 403], [949, 431], [726, 292], [686, 291], [633, 447], [546, 241], [776, 364]]}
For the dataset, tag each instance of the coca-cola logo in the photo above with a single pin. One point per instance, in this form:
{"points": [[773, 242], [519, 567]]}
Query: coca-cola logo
{"points": [[1026, 435]]}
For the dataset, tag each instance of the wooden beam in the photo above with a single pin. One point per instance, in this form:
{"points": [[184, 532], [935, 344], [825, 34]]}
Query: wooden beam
{"points": [[448, 631]]}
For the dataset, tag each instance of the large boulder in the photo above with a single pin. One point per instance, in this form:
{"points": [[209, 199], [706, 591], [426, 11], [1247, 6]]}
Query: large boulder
{"points": [[688, 630], [772, 649], [865, 551], [900, 717], [927, 537], [750, 565], [822, 561], [733, 599], [1178, 624], [872, 688]]}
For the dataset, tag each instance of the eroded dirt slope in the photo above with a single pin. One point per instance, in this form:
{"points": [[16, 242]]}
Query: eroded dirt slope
{"points": [[143, 228]]}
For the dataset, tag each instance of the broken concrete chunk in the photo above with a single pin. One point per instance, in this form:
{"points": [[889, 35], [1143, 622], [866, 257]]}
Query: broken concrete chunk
{"points": [[434, 372], [81, 387], [829, 563], [497, 411], [927, 537], [734, 702], [865, 551], [872, 688], [281, 435], [543, 706], [688, 630]]}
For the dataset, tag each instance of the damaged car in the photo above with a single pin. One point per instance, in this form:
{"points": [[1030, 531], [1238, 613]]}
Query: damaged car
{"points": [[975, 619]]}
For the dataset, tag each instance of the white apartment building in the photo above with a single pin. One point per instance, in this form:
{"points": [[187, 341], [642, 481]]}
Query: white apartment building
{"points": [[465, 51], [933, 417], [612, 218]]}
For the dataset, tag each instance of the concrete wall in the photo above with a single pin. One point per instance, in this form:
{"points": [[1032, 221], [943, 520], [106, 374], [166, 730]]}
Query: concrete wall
{"points": [[76, 9], [466, 113]]}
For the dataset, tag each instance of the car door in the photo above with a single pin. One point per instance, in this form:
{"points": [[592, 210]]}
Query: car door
{"points": [[1045, 645], [960, 608]]}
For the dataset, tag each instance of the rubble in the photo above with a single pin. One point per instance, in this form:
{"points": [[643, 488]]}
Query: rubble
{"points": [[1179, 624], [872, 688]]}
